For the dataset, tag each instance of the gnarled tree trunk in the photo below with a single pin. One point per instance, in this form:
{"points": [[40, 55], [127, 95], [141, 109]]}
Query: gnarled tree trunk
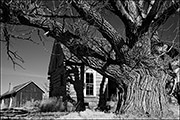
{"points": [[146, 94], [79, 87], [102, 95]]}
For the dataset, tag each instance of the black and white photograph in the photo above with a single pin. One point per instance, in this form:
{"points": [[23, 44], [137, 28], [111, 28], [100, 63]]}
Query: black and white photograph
{"points": [[89, 59]]}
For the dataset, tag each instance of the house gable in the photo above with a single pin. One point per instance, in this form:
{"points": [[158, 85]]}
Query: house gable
{"points": [[56, 72], [33, 87], [31, 92], [57, 58]]}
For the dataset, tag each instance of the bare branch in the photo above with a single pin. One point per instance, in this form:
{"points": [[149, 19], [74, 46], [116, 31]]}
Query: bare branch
{"points": [[23, 38], [11, 54], [146, 23], [38, 32], [120, 11], [164, 16], [58, 16], [102, 25]]}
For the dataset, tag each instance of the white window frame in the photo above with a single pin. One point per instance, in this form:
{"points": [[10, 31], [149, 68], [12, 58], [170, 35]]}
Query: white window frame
{"points": [[94, 83]]}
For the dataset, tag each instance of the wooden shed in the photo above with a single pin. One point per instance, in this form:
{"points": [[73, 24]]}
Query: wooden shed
{"points": [[22, 93]]}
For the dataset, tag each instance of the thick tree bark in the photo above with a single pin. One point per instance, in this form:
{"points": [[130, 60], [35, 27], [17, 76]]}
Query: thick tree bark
{"points": [[78, 84], [122, 93], [146, 94]]}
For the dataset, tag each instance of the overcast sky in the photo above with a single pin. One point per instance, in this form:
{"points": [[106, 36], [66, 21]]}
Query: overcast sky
{"points": [[37, 57]]}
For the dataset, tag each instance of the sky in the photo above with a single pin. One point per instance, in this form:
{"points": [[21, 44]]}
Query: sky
{"points": [[37, 57], [36, 63]]}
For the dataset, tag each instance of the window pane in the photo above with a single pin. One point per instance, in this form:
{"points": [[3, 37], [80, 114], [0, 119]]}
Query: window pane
{"points": [[89, 83], [89, 89], [91, 92], [87, 75], [91, 78]]}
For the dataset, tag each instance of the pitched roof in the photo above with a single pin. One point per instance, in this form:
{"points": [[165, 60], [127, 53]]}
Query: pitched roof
{"points": [[16, 89]]}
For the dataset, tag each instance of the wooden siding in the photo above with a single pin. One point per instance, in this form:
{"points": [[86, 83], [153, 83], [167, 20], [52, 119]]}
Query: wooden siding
{"points": [[112, 90], [95, 98], [98, 82], [29, 93], [57, 83]]}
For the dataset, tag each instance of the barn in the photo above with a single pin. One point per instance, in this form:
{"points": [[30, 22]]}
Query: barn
{"points": [[20, 94]]}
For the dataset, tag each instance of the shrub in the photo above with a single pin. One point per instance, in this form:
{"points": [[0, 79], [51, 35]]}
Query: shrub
{"points": [[32, 105], [70, 107], [92, 105], [52, 105]]}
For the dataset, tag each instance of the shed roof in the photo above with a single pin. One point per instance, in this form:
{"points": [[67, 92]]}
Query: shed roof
{"points": [[16, 89]]}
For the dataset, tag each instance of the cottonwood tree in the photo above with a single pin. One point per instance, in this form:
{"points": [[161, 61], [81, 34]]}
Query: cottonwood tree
{"points": [[129, 61]]}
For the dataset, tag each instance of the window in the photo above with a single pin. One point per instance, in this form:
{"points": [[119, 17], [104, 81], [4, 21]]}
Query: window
{"points": [[89, 84]]}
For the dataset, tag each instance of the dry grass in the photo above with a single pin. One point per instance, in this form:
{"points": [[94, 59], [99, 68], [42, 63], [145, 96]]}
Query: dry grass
{"points": [[49, 106]]}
